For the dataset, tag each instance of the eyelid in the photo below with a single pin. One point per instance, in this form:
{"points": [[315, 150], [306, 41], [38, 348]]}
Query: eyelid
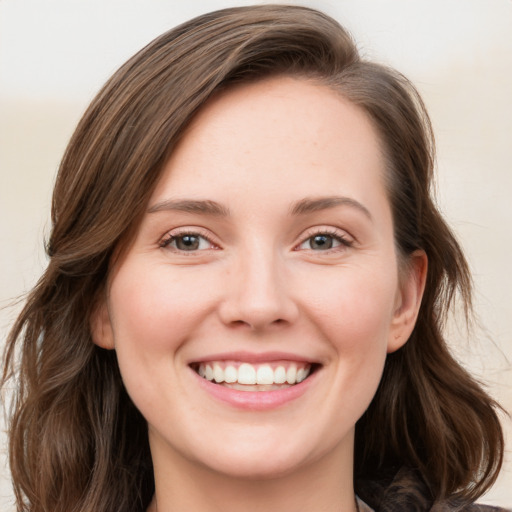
{"points": [[341, 235], [187, 230]]}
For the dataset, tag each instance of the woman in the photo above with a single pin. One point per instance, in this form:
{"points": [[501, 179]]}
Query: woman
{"points": [[247, 284]]}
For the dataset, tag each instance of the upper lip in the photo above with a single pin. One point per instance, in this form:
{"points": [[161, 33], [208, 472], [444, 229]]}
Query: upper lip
{"points": [[254, 357]]}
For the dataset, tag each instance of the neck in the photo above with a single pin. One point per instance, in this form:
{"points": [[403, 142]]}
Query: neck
{"points": [[324, 486]]}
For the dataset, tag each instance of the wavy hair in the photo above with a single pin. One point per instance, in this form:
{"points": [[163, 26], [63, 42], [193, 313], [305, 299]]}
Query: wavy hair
{"points": [[77, 443]]}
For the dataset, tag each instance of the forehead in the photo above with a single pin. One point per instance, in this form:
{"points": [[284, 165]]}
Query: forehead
{"points": [[277, 132]]}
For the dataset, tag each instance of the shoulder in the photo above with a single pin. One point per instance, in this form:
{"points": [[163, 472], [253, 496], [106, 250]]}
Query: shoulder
{"points": [[405, 491]]}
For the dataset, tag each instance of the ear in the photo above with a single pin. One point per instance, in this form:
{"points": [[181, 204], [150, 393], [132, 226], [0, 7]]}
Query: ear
{"points": [[408, 300], [101, 326]]}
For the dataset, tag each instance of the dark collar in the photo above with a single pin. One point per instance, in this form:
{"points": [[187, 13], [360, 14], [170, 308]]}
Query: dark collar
{"points": [[405, 491]]}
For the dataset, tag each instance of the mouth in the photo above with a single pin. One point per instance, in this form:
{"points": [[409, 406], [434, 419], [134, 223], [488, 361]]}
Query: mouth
{"points": [[243, 376]]}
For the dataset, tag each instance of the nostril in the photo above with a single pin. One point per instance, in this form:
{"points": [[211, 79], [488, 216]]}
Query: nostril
{"points": [[257, 325], [257, 303], [240, 323]]}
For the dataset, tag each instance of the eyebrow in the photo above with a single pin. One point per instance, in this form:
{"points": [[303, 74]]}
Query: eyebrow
{"points": [[302, 207], [205, 207], [312, 204]]}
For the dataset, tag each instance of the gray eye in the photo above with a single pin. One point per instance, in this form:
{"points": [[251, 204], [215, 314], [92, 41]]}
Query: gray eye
{"points": [[187, 242], [321, 242]]}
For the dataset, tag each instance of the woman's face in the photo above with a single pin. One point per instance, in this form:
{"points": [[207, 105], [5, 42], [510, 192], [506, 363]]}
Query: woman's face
{"points": [[266, 254]]}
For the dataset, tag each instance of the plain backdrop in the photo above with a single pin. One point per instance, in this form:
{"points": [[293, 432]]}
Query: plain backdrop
{"points": [[55, 54]]}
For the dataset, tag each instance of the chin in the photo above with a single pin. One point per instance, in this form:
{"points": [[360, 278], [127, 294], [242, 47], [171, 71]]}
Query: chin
{"points": [[255, 459], [257, 467]]}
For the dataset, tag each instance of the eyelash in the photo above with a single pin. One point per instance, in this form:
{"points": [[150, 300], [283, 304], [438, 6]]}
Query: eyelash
{"points": [[343, 240], [172, 237]]}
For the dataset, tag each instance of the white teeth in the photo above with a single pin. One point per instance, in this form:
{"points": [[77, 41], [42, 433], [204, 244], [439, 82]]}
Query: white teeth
{"points": [[265, 375], [230, 374], [280, 375], [218, 373], [248, 374], [291, 375]]}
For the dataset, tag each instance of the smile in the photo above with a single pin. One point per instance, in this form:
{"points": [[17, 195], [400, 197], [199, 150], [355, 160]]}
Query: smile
{"points": [[254, 377]]}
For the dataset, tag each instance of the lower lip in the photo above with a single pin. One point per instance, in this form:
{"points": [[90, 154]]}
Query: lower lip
{"points": [[256, 400]]}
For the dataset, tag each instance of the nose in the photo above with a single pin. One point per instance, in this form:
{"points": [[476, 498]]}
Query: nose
{"points": [[257, 294]]}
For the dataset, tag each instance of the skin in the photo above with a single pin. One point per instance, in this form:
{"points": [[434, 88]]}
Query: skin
{"points": [[258, 283]]}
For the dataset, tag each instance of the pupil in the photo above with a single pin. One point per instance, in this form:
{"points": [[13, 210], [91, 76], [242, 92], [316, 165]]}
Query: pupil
{"points": [[321, 242], [187, 242]]}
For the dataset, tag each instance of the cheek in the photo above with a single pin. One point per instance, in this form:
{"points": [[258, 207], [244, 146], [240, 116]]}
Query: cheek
{"points": [[354, 312], [354, 308], [153, 313], [154, 309], [359, 331]]}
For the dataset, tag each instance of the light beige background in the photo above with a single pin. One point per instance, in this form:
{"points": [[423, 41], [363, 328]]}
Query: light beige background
{"points": [[54, 55]]}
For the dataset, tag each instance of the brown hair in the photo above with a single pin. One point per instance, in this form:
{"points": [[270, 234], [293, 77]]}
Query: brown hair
{"points": [[76, 440]]}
